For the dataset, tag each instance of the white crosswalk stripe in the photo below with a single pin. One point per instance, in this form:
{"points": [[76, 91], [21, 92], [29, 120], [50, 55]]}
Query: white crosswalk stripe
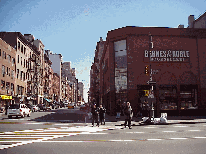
{"points": [[17, 138]]}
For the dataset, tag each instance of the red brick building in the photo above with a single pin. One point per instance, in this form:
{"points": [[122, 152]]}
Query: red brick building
{"points": [[178, 67]]}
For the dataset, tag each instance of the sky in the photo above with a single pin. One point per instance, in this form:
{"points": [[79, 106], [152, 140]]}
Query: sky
{"points": [[73, 28]]}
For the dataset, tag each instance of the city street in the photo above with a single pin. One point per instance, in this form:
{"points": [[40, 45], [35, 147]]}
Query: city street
{"points": [[64, 131]]}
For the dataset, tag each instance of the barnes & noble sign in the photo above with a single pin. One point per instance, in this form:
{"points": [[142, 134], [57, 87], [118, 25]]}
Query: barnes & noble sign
{"points": [[167, 56]]}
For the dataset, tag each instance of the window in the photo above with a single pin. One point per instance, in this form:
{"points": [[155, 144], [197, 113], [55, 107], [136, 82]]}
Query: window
{"points": [[9, 71], [3, 70], [0, 52], [12, 87], [9, 58], [7, 85], [21, 75], [18, 59], [5, 55], [13, 61], [18, 45], [17, 73], [12, 74], [24, 50], [2, 84], [21, 60], [24, 62]]}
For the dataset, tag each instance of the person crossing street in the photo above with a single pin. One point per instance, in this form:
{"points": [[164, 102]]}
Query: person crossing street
{"points": [[102, 112], [95, 115], [129, 114]]}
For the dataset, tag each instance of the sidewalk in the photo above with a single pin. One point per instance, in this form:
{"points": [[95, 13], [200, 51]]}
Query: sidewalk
{"points": [[170, 119]]}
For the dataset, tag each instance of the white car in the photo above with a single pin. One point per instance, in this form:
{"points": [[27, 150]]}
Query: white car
{"points": [[35, 108], [18, 110]]}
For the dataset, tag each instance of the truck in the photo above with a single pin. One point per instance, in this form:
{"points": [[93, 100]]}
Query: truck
{"points": [[18, 110]]}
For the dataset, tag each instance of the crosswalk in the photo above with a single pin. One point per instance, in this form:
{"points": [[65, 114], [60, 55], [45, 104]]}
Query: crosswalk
{"points": [[47, 135], [18, 138]]}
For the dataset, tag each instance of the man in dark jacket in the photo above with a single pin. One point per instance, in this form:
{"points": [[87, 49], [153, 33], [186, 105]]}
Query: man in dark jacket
{"points": [[95, 115], [128, 113], [102, 112]]}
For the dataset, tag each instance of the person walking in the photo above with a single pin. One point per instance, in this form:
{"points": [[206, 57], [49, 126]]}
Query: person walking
{"points": [[95, 115], [102, 112], [128, 113]]}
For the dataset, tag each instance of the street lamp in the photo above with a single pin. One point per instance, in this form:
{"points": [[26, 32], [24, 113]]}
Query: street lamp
{"points": [[150, 82]]}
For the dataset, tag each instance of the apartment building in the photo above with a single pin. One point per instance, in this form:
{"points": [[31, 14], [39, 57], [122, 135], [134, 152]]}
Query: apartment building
{"points": [[56, 60], [46, 77], [7, 73]]}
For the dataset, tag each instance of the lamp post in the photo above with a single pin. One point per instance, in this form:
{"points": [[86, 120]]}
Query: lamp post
{"points": [[150, 82]]}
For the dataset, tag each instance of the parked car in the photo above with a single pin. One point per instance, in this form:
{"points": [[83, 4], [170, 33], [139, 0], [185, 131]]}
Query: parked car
{"points": [[35, 108], [71, 106], [2, 109], [18, 110], [42, 107], [82, 107], [29, 106]]}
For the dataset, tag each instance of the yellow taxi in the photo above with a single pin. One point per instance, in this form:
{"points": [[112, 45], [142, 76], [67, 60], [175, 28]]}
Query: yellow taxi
{"points": [[71, 106]]}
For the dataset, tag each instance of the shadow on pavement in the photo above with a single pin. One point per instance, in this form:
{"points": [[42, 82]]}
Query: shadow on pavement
{"points": [[62, 116]]}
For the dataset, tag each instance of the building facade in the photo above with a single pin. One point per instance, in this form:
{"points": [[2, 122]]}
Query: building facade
{"points": [[7, 73], [175, 58], [56, 60]]}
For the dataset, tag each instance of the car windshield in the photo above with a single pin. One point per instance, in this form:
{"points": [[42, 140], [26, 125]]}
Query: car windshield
{"points": [[15, 106]]}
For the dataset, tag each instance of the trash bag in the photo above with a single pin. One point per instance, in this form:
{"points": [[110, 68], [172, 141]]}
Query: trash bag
{"points": [[163, 120]]}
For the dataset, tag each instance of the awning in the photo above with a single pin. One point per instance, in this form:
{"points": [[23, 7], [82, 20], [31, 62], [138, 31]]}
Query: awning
{"points": [[48, 100], [5, 97]]}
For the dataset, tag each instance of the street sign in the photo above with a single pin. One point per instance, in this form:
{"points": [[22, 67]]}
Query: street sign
{"points": [[151, 82]]}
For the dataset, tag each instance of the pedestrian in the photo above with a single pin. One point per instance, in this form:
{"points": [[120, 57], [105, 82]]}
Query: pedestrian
{"points": [[102, 112], [118, 110], [95, 115], [128, 113]]}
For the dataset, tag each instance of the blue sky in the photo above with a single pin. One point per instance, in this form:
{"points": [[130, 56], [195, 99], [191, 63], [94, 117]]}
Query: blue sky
{"points": [[73, 28]]}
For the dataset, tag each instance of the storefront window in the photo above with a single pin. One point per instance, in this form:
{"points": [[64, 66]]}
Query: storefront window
{"points": [[188, 95], [167, 97]]}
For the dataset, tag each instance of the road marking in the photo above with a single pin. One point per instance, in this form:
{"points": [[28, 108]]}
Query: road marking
{"points": [[169, 131], [135, 132], [149, 127], [154, 139], [199, 137], [119, 140], [178, 138], [180, 126], [194, 130]]}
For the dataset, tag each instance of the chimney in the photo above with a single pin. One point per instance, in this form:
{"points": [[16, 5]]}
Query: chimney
{"points": [[180, 26], [191, 21], [101, 39]]}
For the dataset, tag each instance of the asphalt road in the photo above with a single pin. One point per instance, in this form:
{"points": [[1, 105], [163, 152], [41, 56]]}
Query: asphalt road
{"points": [[51, 133]]}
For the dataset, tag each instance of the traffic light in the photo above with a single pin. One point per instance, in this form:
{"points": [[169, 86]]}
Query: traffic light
{"points": [[147, 69], [146, 92]]}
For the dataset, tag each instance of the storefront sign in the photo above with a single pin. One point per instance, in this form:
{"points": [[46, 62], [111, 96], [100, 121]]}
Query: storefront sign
{"points": [[167, 56], [5, 97]]}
